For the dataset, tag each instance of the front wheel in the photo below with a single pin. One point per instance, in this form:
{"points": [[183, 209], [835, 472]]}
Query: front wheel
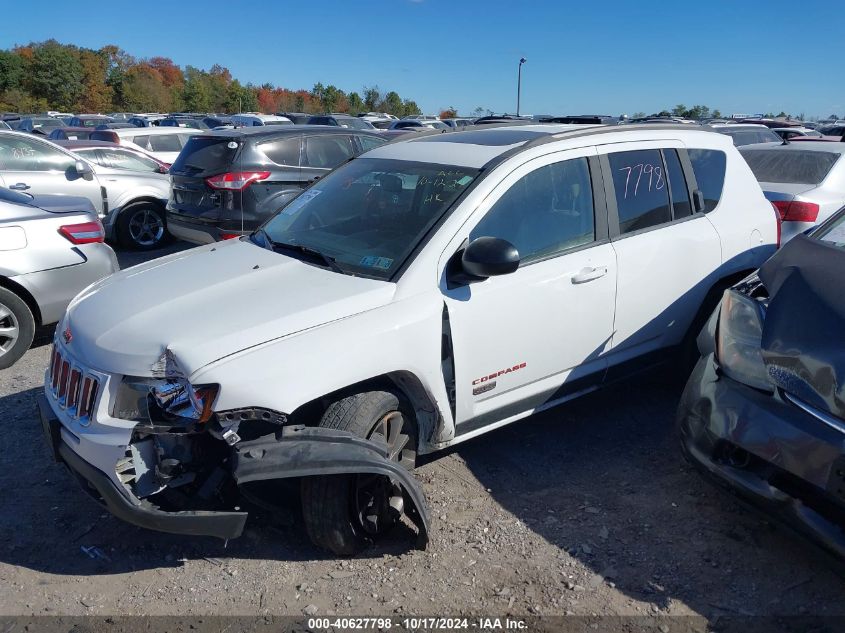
{"points": [[344, 513], [142, 226], [17, 328]]}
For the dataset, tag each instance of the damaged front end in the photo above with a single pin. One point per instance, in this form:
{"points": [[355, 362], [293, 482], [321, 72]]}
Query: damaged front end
{"points": [[183, 457]]}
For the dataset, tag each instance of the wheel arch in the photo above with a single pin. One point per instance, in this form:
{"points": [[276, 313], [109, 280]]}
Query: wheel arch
{"points": [[131, 202], [404, 384], [25, 296]]}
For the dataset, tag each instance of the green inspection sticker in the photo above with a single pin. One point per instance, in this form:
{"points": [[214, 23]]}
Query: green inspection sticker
{"points": [[372, 261]]}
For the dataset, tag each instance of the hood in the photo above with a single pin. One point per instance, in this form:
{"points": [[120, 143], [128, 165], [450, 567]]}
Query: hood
{"points": [[802, 344], [207, 303]]}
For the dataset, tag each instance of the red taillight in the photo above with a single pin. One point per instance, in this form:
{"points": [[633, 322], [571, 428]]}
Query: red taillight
{"points": [[236, 180], [778, 220], [797, 210], [229, 236], [85, 233]]}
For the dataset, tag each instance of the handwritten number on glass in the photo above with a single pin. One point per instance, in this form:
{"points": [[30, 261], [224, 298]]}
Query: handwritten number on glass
{"points": [[656, 181]]}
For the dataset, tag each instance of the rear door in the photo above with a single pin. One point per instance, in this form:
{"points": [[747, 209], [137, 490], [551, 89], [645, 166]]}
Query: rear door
{"points": [[31, 166], [667, 254]]}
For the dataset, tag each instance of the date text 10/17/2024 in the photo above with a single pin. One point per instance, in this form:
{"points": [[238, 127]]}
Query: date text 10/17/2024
{"points": [[417, 624]]}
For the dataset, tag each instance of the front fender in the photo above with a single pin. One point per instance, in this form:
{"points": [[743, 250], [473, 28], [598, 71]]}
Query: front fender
{"points": [[299, 451], [288, 372]]}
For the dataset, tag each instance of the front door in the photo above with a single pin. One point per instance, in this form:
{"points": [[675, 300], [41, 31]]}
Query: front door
{"points": [[525, 340]]}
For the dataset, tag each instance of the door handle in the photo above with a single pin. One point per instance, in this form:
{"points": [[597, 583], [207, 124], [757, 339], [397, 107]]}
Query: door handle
{"points": [[588, 274], [21, 186]]}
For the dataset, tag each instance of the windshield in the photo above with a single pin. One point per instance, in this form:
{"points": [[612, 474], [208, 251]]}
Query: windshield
{"points": [[800, 167], [369, 214]]}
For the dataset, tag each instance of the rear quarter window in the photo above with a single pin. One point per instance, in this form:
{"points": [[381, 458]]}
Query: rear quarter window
{"points": [[709, 168]]}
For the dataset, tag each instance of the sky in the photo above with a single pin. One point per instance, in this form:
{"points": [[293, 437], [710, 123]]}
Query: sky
{"points": [[586, 57]]}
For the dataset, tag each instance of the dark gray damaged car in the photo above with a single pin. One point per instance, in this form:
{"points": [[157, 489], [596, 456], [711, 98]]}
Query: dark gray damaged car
{"points": [[763, 413]]}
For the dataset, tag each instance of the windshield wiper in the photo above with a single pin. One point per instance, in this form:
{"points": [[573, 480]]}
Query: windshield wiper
{"points": [[313, 253]]}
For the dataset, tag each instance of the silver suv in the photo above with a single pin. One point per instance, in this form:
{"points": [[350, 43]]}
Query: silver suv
{"points": [[129, 202]]}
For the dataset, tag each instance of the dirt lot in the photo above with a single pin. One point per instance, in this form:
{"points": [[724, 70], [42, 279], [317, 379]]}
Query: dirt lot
{"points": [[587, 509]]}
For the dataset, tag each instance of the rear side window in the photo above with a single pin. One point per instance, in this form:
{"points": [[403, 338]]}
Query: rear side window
{"points": [[709, 168], [642, 195], [165, 143], [370, 142], [283, 151], [800, 167], [205, 155], [329, 151]]}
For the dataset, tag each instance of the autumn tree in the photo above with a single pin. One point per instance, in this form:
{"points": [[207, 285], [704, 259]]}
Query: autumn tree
{"points": [[97, 94], [144, 91]]}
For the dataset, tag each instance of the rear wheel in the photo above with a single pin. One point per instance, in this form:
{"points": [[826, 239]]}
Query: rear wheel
{"points": [[17, 328], [344, 513], [141, 226]]}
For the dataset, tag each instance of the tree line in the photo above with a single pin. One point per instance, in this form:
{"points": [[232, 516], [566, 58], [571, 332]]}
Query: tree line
{"points": [[704, 112], [49, 75]]}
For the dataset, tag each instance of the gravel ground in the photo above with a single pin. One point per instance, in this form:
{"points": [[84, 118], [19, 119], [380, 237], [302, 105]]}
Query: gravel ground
{"points": [[586, 509]]}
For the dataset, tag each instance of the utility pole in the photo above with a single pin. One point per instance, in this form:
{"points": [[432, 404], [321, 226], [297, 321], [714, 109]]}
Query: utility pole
{"points": [[519, 84]]}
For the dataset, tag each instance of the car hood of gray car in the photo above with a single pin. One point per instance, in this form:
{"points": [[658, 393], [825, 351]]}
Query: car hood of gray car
{"points": [[205, 304]]}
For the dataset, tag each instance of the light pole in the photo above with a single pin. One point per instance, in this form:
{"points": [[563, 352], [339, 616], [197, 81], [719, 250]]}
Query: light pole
{"points": [[519, 83]]}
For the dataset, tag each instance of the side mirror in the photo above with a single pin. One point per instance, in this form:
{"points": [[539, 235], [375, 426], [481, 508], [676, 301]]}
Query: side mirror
{"points": [[488, 257], [83, 169]]}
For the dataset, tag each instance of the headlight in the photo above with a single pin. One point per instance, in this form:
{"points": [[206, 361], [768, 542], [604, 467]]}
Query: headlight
{"points": [[739, 340], [183, 400]]}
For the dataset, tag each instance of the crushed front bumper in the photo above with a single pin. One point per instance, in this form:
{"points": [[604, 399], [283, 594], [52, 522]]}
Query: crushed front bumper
{"points": [[294, 451], [122, 504], [768, 450]]}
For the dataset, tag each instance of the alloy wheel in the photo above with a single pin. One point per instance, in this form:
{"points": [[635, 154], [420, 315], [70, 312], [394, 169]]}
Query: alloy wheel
{"points": [[9, 329], [146, 228]]}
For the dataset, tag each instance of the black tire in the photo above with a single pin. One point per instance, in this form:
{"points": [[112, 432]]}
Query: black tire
{"points": [[142, 226], [334, 506], [17, 328]]}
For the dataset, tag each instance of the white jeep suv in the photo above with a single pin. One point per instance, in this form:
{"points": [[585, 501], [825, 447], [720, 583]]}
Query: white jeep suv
{"points": [[417, 296]]}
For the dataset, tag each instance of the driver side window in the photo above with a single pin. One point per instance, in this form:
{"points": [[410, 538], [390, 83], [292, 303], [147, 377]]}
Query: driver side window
{"points": [[21, 154], [544, 213]]}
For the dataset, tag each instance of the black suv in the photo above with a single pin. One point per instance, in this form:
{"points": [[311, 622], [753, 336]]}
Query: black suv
{"points": [[227, 183]]}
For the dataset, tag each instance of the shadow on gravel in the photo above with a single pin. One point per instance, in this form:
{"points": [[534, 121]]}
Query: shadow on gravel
{"points": [[603, 479]]}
